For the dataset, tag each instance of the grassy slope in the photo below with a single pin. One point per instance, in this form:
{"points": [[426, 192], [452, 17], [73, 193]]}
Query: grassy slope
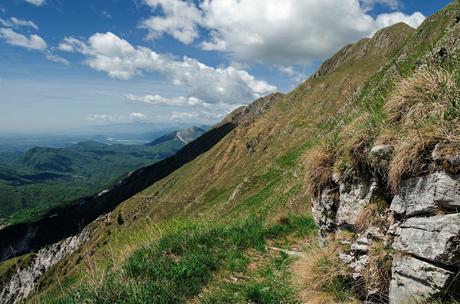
{"points": [[231, 182], [32, 182]]}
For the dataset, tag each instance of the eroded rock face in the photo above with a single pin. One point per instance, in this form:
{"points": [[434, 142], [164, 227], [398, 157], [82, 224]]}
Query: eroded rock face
{"points": [[422, 233], [353, 198], [428, 194], [434, 238], [414, 280], [324, 210], [23, 282]]}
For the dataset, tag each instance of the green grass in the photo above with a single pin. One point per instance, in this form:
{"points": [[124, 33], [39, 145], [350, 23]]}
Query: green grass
{"points": [[184, 260], [33, 182]]}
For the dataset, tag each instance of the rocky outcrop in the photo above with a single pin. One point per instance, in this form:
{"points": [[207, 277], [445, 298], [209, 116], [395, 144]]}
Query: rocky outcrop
{"points": [[436, 238], [354, 197], [428, 194], [23, 283], [414, 280], [421, 233]]}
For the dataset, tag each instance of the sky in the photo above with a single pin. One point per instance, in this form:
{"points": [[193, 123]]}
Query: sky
{"points": [[71, 64]]}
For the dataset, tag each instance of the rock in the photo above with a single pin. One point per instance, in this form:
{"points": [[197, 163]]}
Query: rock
{"points": [[428, 194], [414, 280], [435, 238], [381, 151], [324, 211], [24, 281], [353, 198]]}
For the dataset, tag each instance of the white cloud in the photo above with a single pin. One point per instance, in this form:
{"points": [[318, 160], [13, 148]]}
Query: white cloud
{"points": [[180, 20], [160, 100], [36, 2], [117, 118], [102, 117], [136, 116], [413, 20], [368, 5], [57, 59], [272, 31], [196, 116], [15, 22], [291, 72], [31, 42], [20, 22], [119, 59]]}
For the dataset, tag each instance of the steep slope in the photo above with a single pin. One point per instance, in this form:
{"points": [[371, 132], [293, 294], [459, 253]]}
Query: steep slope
{"points": [[256, 168], [42, 178]]}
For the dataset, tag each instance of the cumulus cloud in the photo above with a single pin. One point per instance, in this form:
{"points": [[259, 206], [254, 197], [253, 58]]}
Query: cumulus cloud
{"points": [[413, 20], [36, 2], [180, 20], [108, 53], [31, 42], [160, 100], [136, 116], [15, 22], [273, 31]]}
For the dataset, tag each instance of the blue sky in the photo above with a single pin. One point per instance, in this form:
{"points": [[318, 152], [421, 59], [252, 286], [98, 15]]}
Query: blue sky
{"points": [[69, 64]]}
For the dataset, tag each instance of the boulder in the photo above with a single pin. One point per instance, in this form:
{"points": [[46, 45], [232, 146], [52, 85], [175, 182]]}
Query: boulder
{"points": [[428, 194], [353, 198], [434, 238], [414, 280]]}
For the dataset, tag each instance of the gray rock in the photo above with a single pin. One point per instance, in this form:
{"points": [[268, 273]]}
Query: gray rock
{"points": [[381, 151], [428, 194], [435, 238], [414, 280], [23, 282], [323, 210], [353, 198]]}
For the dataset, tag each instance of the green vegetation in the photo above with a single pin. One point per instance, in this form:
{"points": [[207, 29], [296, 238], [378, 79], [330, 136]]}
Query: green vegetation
{"points": [[184, 260], [35, 181]]}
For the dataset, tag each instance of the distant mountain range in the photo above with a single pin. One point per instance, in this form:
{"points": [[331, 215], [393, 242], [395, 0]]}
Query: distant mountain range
{"points": [[31, 182]]}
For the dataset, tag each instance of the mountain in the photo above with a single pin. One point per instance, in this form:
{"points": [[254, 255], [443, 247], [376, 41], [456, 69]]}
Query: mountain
{"points": [[182, 137], [41, 178], [369, 143]]}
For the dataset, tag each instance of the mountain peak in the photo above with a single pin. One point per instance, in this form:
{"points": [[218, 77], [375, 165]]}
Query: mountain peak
{"points": [[384, 42]]}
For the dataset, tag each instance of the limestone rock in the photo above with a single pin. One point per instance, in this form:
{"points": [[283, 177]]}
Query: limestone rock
{"points": [[324, 210], [353, 198], [428, 194], [435, 238], [413, 280], [24, 281]]}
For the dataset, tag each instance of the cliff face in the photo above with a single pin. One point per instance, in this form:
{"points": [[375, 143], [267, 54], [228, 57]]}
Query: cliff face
{"points": [[387, 189]]}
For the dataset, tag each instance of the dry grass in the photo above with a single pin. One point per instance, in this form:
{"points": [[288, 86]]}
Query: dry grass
{"points": [[321, 278], [426, 94], [319, 163], [373, 215], [422, 111], [411, 157], [377, 275]]}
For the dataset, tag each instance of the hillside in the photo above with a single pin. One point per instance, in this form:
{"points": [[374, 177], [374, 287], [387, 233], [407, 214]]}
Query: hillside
{"points": [[34, 181], [234, 224]]}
